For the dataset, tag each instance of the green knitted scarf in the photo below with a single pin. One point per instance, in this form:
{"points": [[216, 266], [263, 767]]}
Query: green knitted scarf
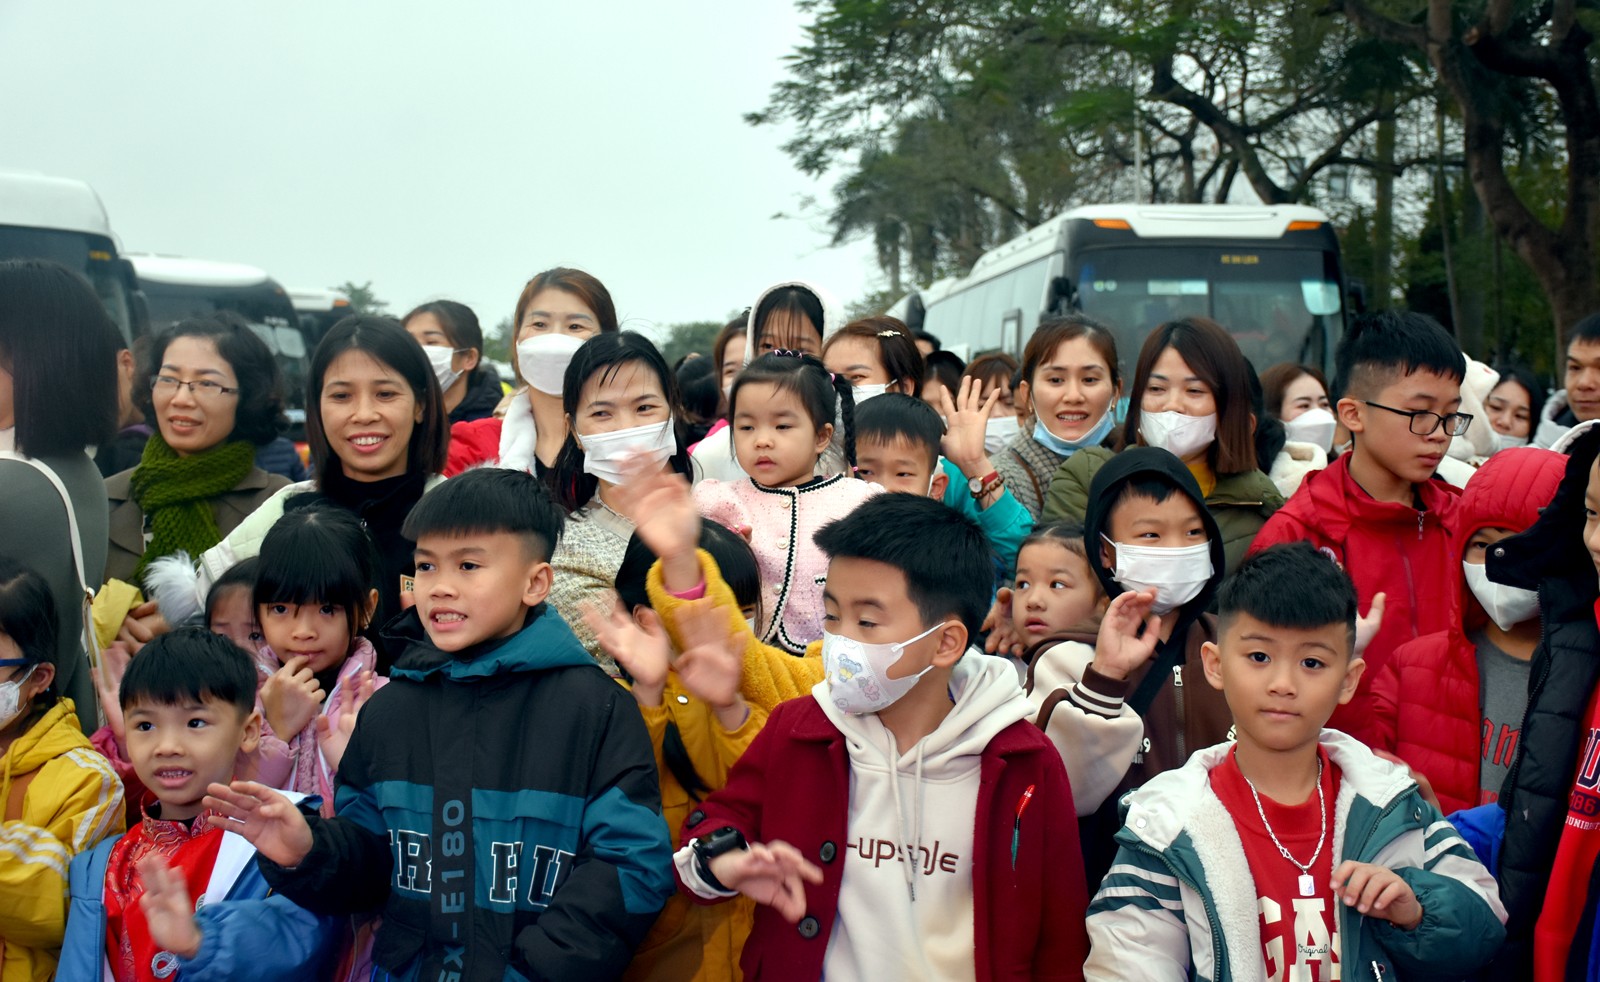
{"points": [[175, 494]]}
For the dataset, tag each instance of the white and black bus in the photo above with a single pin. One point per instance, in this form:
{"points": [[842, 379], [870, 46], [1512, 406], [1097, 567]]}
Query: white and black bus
{"points": [[1269, 274]]}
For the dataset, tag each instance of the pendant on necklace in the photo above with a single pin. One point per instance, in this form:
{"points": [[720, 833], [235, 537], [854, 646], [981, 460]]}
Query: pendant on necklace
{"points": [[1308, 885]]}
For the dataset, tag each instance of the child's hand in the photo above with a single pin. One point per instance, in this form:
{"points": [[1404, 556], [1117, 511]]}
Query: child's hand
{"points": [[1120, 649], [965, 421], [167, 909], [712, 661], [333, 735], [645, 654], [1375, 891], [265, 817], [1003, 638], [1367, 627], [141, 626], [291, 697], [662, 511], [108, 686], [774, 874]]}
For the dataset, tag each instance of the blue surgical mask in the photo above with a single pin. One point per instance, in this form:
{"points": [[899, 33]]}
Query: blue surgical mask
{"points": [[1068, 447]]}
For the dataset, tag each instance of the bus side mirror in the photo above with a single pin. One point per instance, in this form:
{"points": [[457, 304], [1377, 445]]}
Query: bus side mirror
{"points": [[1063, 296], [1356, 291]]}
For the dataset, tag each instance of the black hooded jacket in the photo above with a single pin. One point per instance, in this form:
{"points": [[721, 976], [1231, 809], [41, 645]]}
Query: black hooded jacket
{"points": [[1549, 557], [1181, 712]]}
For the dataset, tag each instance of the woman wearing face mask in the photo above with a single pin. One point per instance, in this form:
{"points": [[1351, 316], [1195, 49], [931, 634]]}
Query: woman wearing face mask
{"points": [[1070, 385], [1297, 396], [1451, 704], [558, 311], [790, 316], [993, 372], [453, 341], [618, 402], [1191, 397], [876, 355], [1511, 405]]}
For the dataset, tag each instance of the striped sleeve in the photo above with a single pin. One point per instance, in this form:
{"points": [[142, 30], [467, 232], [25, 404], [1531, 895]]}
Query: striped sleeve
{"points": [[75, 802], [1137, 919], [1083, 714]]}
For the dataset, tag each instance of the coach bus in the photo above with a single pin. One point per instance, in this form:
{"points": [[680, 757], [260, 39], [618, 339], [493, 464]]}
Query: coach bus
{"points": [[63, 220], [1269, 274], [318, 310]]}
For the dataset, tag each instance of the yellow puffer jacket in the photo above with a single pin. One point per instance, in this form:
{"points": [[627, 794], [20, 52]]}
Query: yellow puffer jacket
{"points": [[70, 800], [691, 941]]}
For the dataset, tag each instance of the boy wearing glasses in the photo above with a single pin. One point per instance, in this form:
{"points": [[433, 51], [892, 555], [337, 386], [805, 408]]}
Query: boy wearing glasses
{"points": [[1378, 510]]}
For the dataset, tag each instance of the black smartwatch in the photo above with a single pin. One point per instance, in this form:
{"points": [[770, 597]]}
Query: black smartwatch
{"points": [[709, 847]]}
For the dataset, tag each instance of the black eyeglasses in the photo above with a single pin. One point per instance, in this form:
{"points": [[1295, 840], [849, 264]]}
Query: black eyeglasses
{"points": [[1425, 423]]}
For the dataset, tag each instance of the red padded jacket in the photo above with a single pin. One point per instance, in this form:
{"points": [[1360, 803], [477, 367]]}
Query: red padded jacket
{"points": [[1425, 700], [1406, 554]]}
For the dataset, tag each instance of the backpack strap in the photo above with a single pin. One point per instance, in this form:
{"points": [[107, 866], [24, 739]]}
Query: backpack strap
{"points": [[91, 646]]}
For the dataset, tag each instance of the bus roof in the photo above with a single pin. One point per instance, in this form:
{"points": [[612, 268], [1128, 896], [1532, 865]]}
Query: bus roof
{"points": [[196, 272], [1148, 222], [314, 300], [37, 201]]}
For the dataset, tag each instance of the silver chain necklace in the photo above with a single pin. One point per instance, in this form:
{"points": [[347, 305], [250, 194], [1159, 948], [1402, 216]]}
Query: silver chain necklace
{"points": [[1308, 883]]}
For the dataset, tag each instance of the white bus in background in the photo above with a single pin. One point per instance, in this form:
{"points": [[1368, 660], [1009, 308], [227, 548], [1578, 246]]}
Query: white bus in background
{"points": [[63, 220], [176, 288], [318, 310], [1270, 274]]}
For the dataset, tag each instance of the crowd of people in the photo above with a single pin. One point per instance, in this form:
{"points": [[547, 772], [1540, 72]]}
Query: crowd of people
{"points": [[820, 653]]}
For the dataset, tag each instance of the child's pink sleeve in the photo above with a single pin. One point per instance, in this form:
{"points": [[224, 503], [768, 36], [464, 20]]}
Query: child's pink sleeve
{"points": [[717, 502]]}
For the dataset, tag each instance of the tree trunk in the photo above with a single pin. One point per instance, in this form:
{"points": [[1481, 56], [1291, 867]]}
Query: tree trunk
{"points": [[1383, 215]]}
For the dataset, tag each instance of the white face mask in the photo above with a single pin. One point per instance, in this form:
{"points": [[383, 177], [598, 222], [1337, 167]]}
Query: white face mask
{"points": [[1176, 575], [998, 432], [1178, 434], [857, 672], [440, 358], [861, 393], [1505, 441], [1314, 426], [605, 454], [1507, 606], [11, 698], [543, 360]]}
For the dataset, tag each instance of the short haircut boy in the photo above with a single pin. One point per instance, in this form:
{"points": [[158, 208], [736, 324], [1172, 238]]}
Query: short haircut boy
{"points": [[1380, 347], [947, 561], [486, 501], [1290, 585], [190, 664], [1586, 331], [894, 417]]}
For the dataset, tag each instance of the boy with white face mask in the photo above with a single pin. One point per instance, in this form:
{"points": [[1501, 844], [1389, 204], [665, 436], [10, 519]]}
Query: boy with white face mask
{"points": [[908, 821], [1450, 704]]}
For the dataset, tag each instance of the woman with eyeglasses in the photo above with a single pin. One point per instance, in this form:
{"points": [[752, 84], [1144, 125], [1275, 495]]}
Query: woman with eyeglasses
{"points": [[214, 398]]}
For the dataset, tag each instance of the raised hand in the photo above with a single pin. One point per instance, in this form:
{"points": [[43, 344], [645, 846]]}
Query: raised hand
{"points": [[333, 735], [646, 654], [168, 911], [712, 662], [141, 626], [965, 421], [1003, 638], [1120, 649], [1375, 891], [264, 816], [291, 698], [1367, 627], [108, 686], [773, 873]]}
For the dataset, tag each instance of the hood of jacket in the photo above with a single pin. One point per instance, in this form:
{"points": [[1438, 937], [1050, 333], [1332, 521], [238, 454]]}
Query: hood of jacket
{"points": [[1554, 420], [1552, 549], [832, 313], [1508, 491], [1478, 441], [1138, 462], [56, 732], [545, 642]]}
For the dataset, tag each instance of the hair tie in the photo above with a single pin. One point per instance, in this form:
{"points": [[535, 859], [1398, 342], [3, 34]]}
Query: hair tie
{"points": [[787, 353]]}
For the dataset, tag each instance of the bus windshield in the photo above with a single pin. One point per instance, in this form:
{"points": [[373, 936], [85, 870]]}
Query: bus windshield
{"points": [[1280, 304], [92, 256]]}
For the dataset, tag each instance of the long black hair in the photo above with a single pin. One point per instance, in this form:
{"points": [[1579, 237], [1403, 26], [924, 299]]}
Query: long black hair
{"points": [[605, 355], [318, 554], [823, 395], [60, 347]]}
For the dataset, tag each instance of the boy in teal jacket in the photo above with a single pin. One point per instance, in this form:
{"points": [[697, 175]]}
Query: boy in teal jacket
{"points": [[1294, 849]]}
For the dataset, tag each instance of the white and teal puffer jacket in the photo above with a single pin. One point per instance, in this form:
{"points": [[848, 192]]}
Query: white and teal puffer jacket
{"points": [[1179, 901]]}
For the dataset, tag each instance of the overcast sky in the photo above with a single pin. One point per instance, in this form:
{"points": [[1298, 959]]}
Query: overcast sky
{"points": [[438, 150]]}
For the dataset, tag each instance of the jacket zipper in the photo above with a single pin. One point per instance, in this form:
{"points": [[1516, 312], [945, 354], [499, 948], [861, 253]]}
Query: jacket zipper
{"points": [[1217, 957], [1177, 698], [1411, 582], [1534, 692], [1377, 969]]}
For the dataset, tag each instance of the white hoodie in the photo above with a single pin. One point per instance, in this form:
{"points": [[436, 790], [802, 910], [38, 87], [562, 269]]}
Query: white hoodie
{"points": [[900, 920], [714, 458]]}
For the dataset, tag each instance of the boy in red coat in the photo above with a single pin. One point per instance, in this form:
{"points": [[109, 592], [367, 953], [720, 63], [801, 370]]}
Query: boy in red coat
{"points": [[1451, 704], [907, 820], [1378, 510]]}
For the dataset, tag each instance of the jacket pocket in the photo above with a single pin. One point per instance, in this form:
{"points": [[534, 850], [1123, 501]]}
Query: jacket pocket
{"points": [[397, 943]]}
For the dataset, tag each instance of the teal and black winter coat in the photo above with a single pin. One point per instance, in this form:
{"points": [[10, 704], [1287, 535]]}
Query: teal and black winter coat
{"points": [[500, 806]]}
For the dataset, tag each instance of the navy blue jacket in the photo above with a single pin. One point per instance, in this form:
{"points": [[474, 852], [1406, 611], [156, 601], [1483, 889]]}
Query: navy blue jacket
{"points": [[501, 806]]}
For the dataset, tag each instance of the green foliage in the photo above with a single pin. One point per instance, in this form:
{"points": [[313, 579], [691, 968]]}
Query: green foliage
{"points": [[362, 299], [678, 340]]}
